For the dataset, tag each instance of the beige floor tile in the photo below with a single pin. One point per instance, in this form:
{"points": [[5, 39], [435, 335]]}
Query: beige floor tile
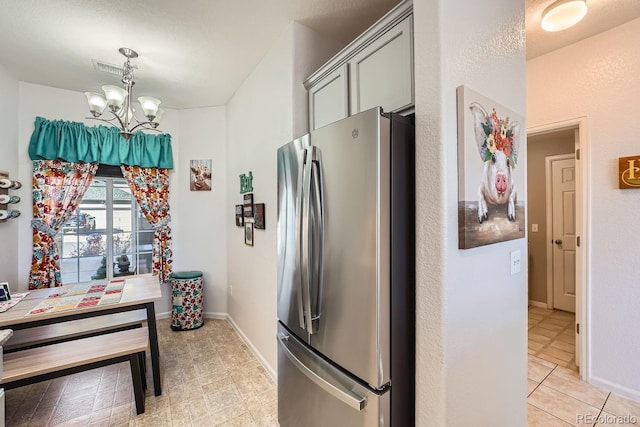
{"points": [[243, 420], [539, 338], [537, 372], [619, 405], [552, 359], [539, 418], [563, 321], [535, 346], [562, 314], [568, 382], [541, 361], [541, 311], [565, 356], [531, 385], [551, 327], [538, 330], [561, 345], [571, 340], [560, 405]]}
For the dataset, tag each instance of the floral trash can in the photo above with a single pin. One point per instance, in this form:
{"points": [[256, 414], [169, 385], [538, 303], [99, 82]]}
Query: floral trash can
{"points": [[187, 300]]}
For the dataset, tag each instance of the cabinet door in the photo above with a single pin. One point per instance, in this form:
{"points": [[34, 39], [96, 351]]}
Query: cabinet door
{"points": [[328, 100], [382, 73]]}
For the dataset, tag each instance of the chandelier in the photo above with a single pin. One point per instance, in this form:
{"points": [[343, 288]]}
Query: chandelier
{"points": [[118, 100]]}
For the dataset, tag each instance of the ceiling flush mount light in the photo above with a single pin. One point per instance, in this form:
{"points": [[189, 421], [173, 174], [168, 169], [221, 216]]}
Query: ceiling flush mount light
{"points": [[563, 14], [118, 100]]}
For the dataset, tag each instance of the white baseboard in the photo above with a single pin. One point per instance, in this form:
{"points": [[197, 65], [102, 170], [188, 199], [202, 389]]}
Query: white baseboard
{"points": [[206, 315], [214, 315], [253, 349], [537, 304], [616, 388]]}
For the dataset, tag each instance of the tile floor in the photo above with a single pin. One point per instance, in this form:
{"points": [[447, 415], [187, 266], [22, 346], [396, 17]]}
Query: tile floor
{"points": [[209, 378], [556, 395]]}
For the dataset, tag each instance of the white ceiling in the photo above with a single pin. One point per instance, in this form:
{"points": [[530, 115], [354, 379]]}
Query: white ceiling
{"points": [[602, 16], [195, 53]]}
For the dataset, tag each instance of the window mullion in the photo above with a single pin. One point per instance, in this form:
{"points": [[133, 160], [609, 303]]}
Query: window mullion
{"points": [[109, 231]]}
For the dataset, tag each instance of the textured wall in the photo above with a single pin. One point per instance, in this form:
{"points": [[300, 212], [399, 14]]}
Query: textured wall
{"points": [[472, 313], [599, 78], [201, 220]]}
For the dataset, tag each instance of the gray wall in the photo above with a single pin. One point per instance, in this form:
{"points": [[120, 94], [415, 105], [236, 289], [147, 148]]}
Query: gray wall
{"points": [[9, 163], [541, 146]]}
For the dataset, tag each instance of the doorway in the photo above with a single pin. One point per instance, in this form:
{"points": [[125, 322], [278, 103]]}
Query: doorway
{"points": [[544, 145], [561, 236]]}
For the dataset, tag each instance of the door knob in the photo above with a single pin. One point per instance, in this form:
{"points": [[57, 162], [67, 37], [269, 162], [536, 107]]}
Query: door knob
{"points": [[558, 242]]}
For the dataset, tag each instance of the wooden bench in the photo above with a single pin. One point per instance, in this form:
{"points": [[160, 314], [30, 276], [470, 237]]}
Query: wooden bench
{"points": [[37, 364], [81, 328]]}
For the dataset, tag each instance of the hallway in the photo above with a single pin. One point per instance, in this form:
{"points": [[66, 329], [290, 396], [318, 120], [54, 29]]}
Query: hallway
{"points": [[556, 395]]}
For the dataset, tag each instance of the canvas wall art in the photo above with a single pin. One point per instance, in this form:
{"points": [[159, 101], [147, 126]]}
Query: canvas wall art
{"points": [[200, 179], [491, 176]]}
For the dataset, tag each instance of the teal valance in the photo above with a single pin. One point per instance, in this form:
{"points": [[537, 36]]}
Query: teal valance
{"points": [[75, 142]]}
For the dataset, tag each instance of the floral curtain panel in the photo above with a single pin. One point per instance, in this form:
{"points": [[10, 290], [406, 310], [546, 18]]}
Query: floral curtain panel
{"points": [[150, 186], [58, 188]]}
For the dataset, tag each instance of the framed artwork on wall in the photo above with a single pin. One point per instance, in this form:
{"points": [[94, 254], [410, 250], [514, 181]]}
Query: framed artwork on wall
{"points": [[258, 217], [248, 233], [200, 175], [489, 171], [239, 217], [248, 205]]}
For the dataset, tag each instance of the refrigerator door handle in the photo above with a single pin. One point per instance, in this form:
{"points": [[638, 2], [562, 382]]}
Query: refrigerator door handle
{"points": [[336, 390], [315, 283], [299, 233], [305, 239]]}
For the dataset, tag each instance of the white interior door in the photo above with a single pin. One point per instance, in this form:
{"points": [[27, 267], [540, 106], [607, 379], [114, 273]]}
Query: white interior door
{"points": [[563, 174]]}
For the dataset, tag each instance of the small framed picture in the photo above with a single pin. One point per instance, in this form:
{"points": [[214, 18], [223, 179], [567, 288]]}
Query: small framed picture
{"points": [[239, 217], [248, 233], [5, 295], [200, 175], [248, 205], [258, 217]]}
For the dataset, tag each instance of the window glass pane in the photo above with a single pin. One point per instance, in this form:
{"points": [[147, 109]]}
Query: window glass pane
{"points": [[81, 240], [106, 237], [124, 261]]}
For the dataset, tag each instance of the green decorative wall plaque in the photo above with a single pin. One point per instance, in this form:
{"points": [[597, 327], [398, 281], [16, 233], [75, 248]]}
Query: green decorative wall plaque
{"points": [[246, 183]]}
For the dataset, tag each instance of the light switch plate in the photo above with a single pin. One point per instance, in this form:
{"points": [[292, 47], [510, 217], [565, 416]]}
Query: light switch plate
{"points": [[515, 262], [534, 228]]}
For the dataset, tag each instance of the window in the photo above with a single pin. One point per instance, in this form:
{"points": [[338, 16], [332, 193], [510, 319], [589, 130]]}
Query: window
{"points": [[107, 236]]}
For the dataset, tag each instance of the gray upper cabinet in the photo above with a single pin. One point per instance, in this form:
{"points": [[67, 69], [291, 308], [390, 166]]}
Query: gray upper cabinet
{"points": [[382, 73], [376, 69], [328, 100]]}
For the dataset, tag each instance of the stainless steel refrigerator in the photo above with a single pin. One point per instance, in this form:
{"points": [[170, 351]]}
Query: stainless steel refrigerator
{"points": [[346, 274]]}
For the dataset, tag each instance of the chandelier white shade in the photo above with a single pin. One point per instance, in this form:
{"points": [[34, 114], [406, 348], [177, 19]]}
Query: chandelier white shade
{"points": [[563, 14], [118, 101]]}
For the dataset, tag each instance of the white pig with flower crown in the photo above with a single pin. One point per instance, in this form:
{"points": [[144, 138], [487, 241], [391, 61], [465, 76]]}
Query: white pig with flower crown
{"points": [[498, 143]]}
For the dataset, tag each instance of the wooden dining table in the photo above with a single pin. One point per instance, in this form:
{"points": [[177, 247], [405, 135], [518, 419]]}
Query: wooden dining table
{"points": [[139, 292]]}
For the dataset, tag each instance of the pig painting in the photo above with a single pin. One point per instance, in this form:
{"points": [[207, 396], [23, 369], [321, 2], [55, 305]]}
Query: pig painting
{"points": [[498, 142], [490, 210], [200, 175]]}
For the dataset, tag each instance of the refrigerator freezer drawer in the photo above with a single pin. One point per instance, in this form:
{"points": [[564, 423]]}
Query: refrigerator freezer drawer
{"points": [[313, 393]]}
